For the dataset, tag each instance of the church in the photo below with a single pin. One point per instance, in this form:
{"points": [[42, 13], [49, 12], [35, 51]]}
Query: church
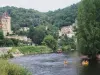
{"points": [[5, 23]]}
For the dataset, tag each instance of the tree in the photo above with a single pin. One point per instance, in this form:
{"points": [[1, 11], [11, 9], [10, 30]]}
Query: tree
{"points": [[50, 42], [88, 29], [67, 42], [1, 35], [52, 30], [37, 34]]}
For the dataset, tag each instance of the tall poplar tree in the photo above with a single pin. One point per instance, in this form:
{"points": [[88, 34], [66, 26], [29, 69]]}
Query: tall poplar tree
{"points": [[88, 27]]}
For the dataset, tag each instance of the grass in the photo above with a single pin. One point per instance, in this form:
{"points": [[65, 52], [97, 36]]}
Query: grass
{"points": [[33, 49], [7, 68]]}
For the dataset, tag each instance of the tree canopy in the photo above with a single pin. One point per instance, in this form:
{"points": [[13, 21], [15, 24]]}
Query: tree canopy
{"points": [[88, 29], [50, 42]]}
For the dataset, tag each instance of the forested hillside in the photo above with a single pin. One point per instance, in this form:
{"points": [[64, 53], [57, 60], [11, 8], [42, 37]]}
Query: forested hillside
{"points": [[27, 17], [63, 17]]}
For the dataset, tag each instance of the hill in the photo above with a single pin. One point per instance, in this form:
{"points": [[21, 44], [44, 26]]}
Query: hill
{"points": [[22, 17]]}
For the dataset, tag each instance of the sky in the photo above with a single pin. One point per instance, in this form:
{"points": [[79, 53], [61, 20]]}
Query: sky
{"points": [[40, 5]]}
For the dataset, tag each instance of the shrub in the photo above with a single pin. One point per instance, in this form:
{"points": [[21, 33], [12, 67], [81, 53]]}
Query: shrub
{"points": [[11, 69], [66, 49]]}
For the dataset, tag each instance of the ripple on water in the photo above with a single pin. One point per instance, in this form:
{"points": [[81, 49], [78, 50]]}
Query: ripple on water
{"points": [[48, 64]]}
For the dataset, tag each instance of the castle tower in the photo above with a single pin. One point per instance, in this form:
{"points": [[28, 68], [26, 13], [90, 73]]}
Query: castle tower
{"points": [[6, 24]]}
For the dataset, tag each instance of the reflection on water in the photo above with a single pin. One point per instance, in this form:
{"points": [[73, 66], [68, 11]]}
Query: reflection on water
{"points": [[53, 64], [92, 69]]}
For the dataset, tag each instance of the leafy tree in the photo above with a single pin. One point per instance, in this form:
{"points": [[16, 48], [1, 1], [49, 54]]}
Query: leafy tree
{"points": [[15, 41], [6, 43], [63, 17], [37, 34], [88, 29], [52, 30], [1, 35], [50, 42], [68, 42]]}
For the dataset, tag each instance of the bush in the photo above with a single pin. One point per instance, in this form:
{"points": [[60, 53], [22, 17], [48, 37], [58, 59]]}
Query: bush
{"points": [[50, 42], [66, 49], [6, 56], [11, 69]]}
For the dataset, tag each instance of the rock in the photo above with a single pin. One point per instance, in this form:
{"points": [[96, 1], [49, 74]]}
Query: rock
{"points": [[17, 53]]}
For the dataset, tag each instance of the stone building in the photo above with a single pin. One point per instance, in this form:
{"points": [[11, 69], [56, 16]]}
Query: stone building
{"points": [[66, 30], [5, 23]]}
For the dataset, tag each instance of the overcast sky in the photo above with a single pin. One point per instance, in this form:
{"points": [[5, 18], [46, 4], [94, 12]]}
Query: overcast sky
{"points": [[40, 5]]}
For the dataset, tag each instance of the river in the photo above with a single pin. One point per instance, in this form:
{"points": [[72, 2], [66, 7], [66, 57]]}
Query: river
{"points": [[53, 64]]}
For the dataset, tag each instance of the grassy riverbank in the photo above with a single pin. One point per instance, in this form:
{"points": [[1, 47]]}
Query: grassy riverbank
{"points": [[7, 68], [33, 49]]}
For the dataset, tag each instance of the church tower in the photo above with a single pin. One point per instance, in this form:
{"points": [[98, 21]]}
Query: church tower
{"points": [[6, 24]]}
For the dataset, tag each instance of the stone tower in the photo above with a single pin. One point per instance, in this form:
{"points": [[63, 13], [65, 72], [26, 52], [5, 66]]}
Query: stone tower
{"points": [[5, 24]]}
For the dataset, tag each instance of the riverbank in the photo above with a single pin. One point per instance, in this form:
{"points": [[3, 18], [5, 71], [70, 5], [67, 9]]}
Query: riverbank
{"points": [[13, 69], [31, 50], [7, 68]]}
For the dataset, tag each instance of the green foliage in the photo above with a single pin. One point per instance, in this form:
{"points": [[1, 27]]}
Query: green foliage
{"points": [[50, 42], [33, 49], [6, 56], [88, 29], [63, 17], [37, 34], [66, 49], [22, 33], [8, 42], [29, 17], [11, 69], [1, 35], [52, 30], [15, 41], [66, 41], [23, 17]]}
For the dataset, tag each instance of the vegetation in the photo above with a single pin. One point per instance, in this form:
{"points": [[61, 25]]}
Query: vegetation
{"points": [[66, 42], [66, 49], [29, 17], [88, 29], [33, 49], [63, 17], [11, 69], [1, 35], [40, 24], [6, 56], [50, 42], [37, 34], [8, 42]]}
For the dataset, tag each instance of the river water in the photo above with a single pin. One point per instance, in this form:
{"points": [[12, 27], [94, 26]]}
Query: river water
{"points": [[53, 64]]}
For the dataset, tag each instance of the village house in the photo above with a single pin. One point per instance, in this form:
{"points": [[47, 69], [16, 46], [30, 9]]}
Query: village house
{"points": [[66, 30], [24, 29]]}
